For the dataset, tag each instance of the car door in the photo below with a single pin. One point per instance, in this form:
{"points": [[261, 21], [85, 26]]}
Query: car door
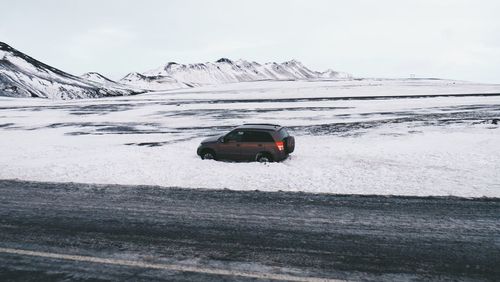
{"points": [[254, 142], [230, 148]]}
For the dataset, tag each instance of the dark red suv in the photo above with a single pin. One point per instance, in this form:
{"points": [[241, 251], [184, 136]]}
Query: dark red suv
{"points": [[249, 142]]}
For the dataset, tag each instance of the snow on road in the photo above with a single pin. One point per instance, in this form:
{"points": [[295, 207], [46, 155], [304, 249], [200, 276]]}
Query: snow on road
{"points": [[413, 146]]}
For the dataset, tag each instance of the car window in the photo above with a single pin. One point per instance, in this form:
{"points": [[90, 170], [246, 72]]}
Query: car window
{"points": [[282, 134], [257, 136], [236, 135]]}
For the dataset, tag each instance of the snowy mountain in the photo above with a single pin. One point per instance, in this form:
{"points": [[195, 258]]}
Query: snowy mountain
{"points": [[174, 75], [331, 74], [23, 76], [99, 78], [152, 82]]}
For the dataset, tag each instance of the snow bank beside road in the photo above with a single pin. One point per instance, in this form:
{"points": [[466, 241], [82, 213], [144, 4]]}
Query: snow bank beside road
{"points": [[459, 162]]}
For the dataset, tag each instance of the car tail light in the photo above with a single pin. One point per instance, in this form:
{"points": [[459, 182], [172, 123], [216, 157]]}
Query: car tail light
{"points": [[280, 145]]}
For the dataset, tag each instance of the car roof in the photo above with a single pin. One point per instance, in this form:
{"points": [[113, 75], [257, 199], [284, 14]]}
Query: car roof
{"points": [[260, 126]]}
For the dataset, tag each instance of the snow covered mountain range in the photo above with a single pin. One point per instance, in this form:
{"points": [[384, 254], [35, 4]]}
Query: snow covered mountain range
{"points": [[174, 75], [24, 76]]}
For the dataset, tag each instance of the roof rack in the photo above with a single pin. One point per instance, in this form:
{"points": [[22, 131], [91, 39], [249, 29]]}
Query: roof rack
{"points": [[269, 124]]}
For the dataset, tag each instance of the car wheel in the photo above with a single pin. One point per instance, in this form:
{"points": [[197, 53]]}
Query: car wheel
{"points": [[208, 155], [263, 158]]}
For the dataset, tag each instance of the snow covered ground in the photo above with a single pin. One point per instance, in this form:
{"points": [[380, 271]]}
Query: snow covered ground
{"points": [[401, 146]]}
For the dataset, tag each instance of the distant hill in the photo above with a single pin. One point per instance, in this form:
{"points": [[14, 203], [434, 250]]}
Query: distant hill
{"points": [[174, 75], [23, 76]]}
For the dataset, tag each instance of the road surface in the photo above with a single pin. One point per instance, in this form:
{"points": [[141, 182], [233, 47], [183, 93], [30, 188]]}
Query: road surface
{"points": [[70, 231]]}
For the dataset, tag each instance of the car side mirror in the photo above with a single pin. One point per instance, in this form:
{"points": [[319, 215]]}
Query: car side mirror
{"points": [[221, 139]]}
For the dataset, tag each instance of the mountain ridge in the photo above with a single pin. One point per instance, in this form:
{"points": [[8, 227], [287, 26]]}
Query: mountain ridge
{"points": [[225, 70], [23, 76]]}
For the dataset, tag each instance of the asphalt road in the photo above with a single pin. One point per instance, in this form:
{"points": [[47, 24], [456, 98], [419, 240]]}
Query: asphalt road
{"points": [[62, 232]]}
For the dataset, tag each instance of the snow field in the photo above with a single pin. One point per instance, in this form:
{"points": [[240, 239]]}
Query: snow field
{"points": [[107, 141]]}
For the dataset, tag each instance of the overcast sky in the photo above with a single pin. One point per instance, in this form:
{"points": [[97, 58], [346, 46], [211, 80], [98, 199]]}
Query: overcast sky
{"points": [[384, 38]]}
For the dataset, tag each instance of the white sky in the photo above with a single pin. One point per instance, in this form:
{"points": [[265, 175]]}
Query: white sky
{"points": [[386, 38]]}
